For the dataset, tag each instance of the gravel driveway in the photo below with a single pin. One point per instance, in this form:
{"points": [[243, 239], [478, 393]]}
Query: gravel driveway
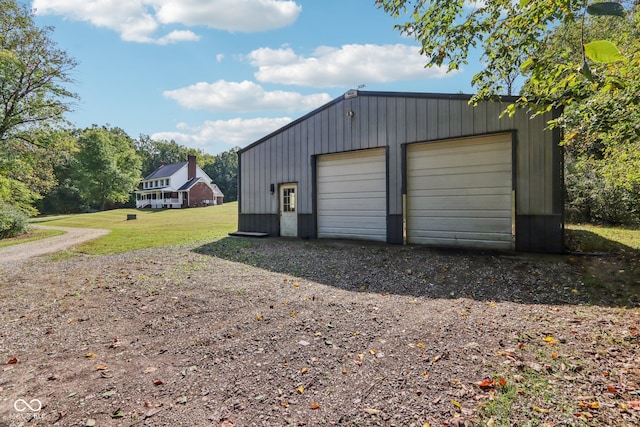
{"points": [[11, 255], [278, 332]]}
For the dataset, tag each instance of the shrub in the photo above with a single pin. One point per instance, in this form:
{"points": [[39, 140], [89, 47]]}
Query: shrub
{"points": [[12, 221]]}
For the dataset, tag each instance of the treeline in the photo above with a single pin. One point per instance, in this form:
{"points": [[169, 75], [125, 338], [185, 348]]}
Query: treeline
{"points": [[98, 168]]}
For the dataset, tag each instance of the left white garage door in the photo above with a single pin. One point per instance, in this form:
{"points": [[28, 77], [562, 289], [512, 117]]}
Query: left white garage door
{"points": [[352, 195]]}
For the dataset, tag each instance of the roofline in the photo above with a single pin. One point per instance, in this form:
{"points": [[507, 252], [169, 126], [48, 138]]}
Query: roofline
{"points": [[357, 93]]}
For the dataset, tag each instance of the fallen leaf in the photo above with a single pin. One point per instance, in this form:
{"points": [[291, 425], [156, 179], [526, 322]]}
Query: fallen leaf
{"points": [[371, 411], [554, 355], [502, 382], [304, 370], [158, 382], [425, 374], [539, 409], [296, 284], [90, 355], [293, 314], [590, 405], [550, 340], [344, 372], [300, 389], [284, 404], [117, 414], [259, 318], [101, 367], [464, 313], [420, 345], [583, 415], [373, 351], [612, 389], [487, 383], [456, 404], [12, 361], [314, 406]]}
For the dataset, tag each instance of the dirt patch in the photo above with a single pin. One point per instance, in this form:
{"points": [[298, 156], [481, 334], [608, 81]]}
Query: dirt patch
{"points": [[286, 332]]}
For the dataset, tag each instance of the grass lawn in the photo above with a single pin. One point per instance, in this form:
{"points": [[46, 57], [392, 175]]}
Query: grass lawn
{"points": [[596, 238], [152, 228]]}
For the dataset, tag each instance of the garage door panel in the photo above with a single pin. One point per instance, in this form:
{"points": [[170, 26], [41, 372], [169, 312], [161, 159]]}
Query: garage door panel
{"points": [[455, 171], [367, 185], [470, 204], [459, 192], [352, 195], [460, 225], [464, 180]]}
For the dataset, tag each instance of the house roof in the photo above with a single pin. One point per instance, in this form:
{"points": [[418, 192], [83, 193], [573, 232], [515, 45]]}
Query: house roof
{"points": [[166, 171], [187, 185]]}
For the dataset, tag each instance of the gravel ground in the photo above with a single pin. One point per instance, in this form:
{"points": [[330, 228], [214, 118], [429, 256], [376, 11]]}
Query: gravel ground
{"points": [[277, 332]]}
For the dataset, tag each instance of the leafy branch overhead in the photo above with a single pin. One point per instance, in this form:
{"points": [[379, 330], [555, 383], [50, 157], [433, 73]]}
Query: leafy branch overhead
{"points": [[513, 38]]}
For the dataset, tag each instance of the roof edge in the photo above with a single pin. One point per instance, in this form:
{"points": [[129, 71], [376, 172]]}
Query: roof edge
{"points": [[353, 93]]}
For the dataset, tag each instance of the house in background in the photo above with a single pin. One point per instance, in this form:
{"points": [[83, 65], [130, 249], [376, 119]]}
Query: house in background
{"points": [[179, 185], [414, 168]]}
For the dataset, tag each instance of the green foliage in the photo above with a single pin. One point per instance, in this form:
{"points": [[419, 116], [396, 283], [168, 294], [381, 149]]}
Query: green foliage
{"points": [[13, 222], [593, 198], [34, 75], [224, 173], [107, 168]]}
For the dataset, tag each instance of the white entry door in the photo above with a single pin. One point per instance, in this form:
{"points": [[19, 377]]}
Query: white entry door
{"points": [[288, 210]]}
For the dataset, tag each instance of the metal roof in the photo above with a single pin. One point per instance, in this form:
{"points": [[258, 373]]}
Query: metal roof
{"points": [[166, 171]]}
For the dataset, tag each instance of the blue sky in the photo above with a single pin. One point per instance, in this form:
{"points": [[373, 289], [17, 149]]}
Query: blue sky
{"points": [[214, 74]]}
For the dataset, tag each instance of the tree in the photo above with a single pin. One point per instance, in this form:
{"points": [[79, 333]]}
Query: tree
{"points": [[34, 75], [224, 173], [511, 36], [108, 168]]}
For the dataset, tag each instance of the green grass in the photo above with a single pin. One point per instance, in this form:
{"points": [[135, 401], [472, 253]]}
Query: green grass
{"points": [[595, 238], [152, 228], [30, 237]]}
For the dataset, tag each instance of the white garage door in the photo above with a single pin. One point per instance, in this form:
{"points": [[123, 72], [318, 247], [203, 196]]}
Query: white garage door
{"points": [[352, 198], [459, 192]]}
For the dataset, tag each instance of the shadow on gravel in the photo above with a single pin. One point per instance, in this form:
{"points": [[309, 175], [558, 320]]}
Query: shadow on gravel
{"points": [[605, 280]]}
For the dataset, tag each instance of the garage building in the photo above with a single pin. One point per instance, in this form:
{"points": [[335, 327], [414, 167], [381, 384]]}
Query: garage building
{"points": [[411, 168]]}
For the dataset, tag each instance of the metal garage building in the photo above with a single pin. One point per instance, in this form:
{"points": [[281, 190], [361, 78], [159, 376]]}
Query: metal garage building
{"points": [[411, 168]]}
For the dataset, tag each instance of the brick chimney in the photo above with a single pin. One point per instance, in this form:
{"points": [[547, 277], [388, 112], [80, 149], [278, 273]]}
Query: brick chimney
{"points": [[191, 168]]}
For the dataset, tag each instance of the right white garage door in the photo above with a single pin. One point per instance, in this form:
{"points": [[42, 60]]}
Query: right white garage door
{"points": [[459, 193]]}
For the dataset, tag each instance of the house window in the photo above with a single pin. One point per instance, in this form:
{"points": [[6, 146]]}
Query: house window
{"points": [[289, 200]]}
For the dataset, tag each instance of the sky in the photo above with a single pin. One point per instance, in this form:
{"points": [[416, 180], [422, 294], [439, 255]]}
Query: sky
{"points": [[217, 74]]}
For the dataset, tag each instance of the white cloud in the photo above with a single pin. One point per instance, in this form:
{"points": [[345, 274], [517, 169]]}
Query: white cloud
{"points": [[139, 20], [348, 65], [243, 97], [231, 15], [234, 132]]}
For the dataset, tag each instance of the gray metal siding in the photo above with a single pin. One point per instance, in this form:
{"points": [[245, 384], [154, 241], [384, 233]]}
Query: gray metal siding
{"points": [[391, 120]]}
